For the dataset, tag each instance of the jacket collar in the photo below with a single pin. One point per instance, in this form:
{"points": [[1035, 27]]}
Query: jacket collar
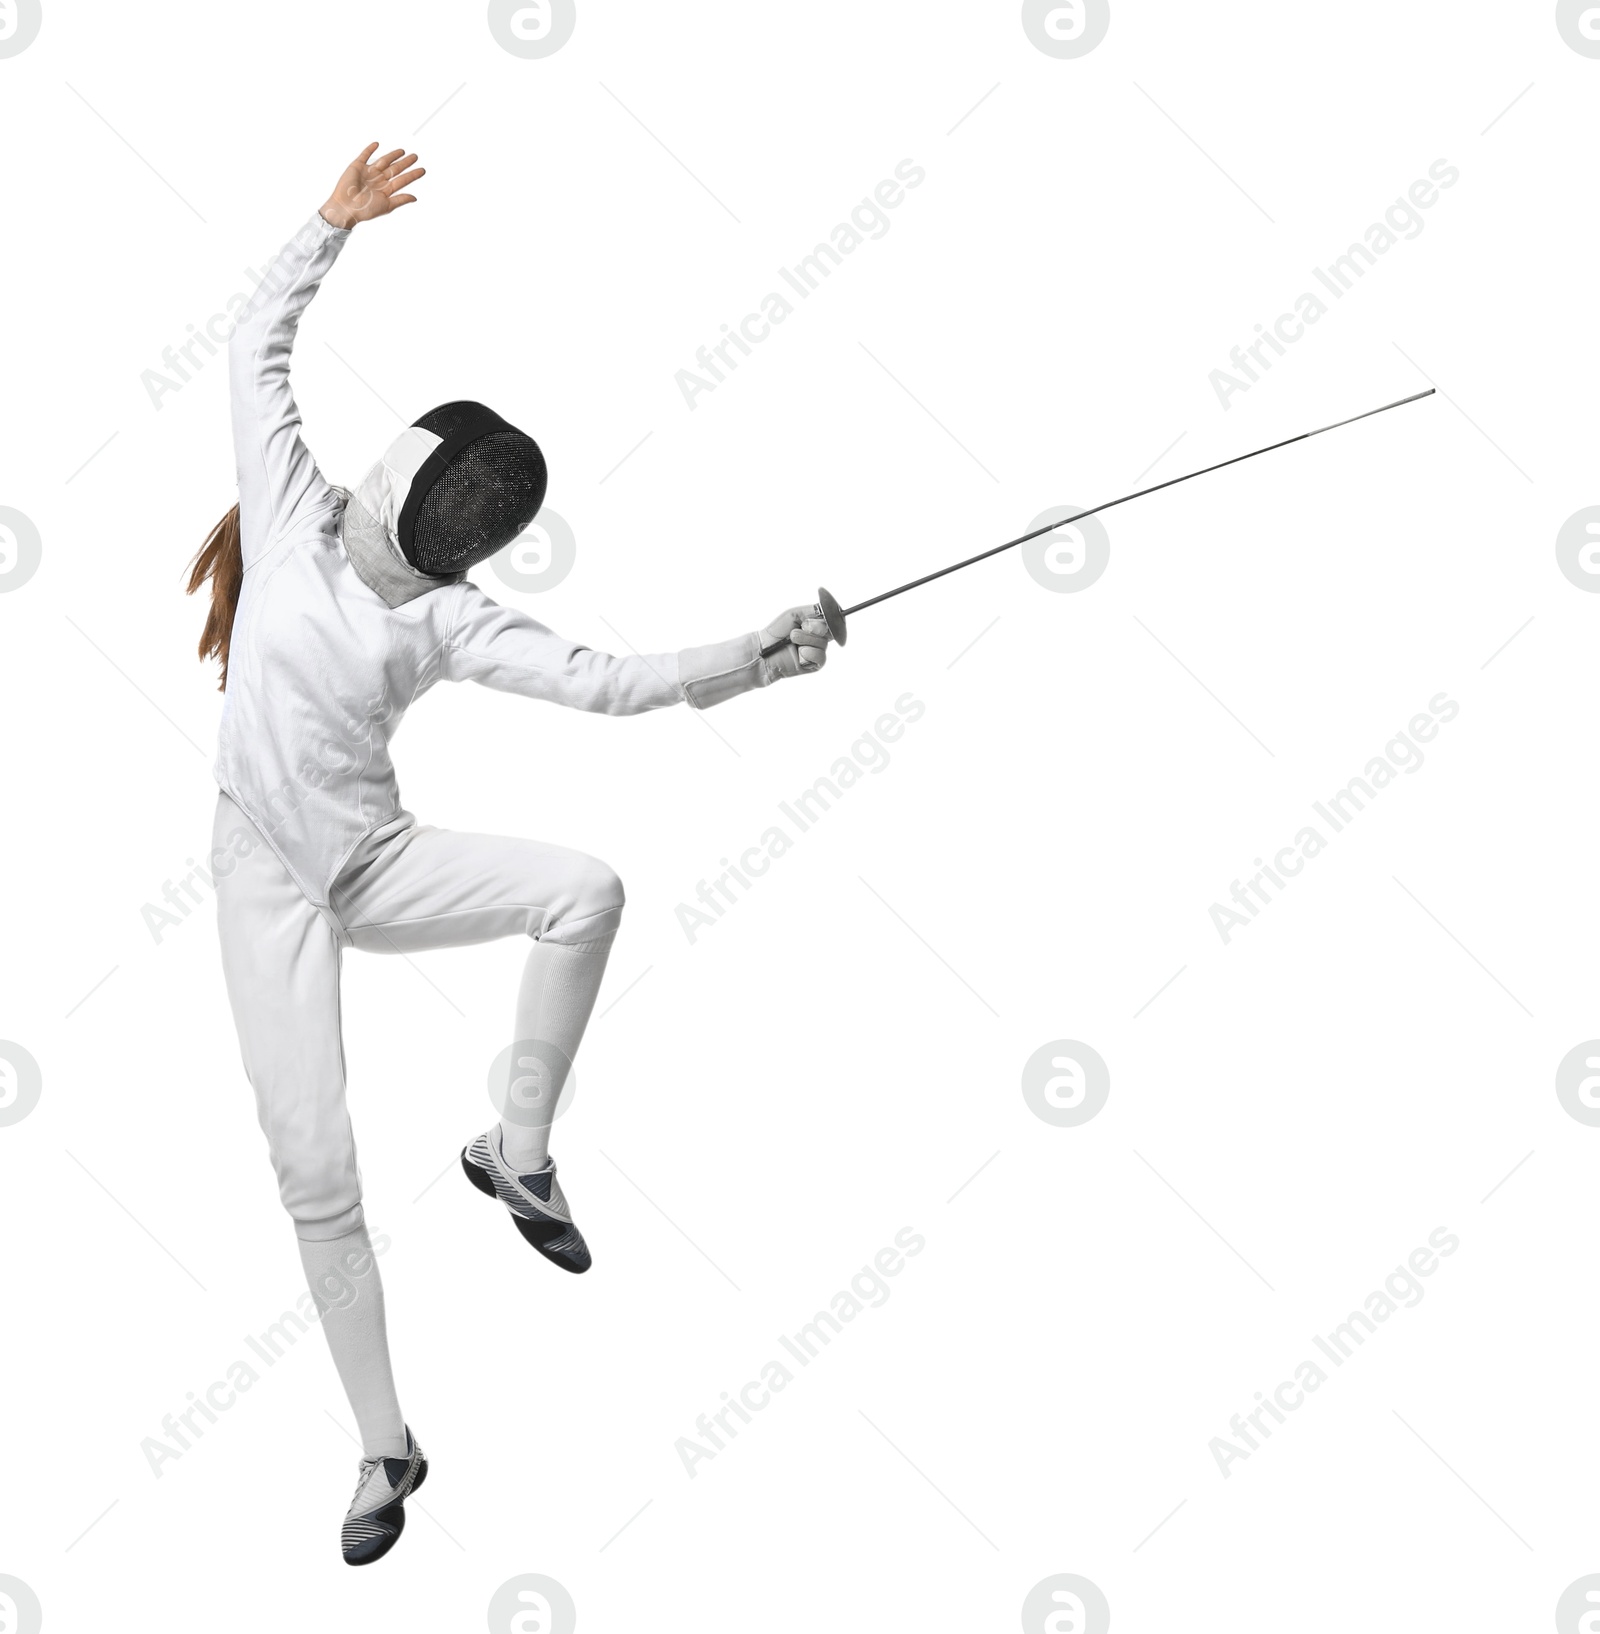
{"points": [[379, 564]]}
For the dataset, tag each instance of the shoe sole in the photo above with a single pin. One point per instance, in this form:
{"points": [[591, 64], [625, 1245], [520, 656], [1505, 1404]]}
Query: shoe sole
{"points": [[536, 1233]]}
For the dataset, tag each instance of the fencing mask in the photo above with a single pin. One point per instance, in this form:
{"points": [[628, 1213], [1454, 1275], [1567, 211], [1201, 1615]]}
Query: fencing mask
{"points": [[473, 494]]}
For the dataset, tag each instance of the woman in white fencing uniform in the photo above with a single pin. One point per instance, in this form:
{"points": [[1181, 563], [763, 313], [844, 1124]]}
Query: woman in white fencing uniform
{"points": [[332, 613]]}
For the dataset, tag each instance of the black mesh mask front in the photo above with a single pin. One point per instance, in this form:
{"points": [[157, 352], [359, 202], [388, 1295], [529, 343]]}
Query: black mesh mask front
{"points": [[474, 494]]}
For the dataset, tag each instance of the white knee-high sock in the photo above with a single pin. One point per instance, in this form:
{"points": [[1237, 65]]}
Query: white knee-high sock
{"points": [[559, 987], [344, 1280]]}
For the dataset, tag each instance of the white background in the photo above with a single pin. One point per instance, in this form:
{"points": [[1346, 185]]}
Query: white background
{"points": [[832, 1061]]}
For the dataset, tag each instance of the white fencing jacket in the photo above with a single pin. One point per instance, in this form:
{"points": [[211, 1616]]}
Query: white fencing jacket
{"points": [[336, 635]]}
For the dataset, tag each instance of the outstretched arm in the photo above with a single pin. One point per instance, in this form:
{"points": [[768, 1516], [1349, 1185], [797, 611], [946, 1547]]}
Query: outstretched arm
{"points": [[278, 478], [502, 648]]}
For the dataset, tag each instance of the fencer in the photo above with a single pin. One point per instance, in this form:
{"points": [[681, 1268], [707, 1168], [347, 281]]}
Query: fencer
{"points": [[332, 612]]}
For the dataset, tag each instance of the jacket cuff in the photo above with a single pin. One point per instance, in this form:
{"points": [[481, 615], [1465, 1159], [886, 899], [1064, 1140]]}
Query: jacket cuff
{"points": [[321, 227], [712, 675]]}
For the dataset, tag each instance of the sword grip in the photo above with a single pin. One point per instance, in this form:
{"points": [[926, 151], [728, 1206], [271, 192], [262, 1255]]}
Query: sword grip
{"points": [[828, 610], [783, 641]]}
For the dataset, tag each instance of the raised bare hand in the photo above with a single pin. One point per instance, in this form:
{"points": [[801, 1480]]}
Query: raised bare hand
{"points": [[370, 187]]}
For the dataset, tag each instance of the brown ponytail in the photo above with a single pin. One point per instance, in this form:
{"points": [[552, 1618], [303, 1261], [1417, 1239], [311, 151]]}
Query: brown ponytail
{"points": [[221, 560]]}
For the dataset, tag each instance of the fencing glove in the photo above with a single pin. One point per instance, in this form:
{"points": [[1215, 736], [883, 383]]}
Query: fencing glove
{"points": [[806, 649], [794, 643]]}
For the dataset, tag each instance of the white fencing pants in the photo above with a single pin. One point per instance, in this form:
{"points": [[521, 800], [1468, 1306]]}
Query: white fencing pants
{"points": [[407, 889]]}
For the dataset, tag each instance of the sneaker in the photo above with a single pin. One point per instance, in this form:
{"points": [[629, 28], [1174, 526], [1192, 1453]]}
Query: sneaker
{"points": [[377, 1513], [538, 1210]]}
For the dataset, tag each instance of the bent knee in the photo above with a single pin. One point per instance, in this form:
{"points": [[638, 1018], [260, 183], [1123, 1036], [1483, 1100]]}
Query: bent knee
{"points": [[594, 910], [599, 892], [605, 886]]}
